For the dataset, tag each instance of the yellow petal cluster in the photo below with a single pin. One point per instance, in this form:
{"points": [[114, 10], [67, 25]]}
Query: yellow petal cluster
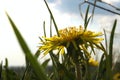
{"points": [[76, 36]]}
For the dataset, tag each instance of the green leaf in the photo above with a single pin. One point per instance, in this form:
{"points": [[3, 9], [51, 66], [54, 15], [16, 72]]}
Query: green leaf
{"points": [[111, 42], [33, 61], [87, 19]]}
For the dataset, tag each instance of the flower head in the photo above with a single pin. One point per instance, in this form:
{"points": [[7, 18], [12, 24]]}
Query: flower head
{"points": [[71, 36]]}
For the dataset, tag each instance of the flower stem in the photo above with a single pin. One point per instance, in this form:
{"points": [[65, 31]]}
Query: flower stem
{"points": [[78, 72]]}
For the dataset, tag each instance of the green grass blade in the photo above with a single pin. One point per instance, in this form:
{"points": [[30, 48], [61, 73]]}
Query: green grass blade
{"points": [[101, 68], [86, 21], [0, 70], [44, 29], [86, 14], [111, 42], [80, 9], [52, 17], [109, 56], [54, 62], [93, 10], [50, 26], [28, 71], [8, 73], [37, 54], [106, 41], [33, 61], [45, 63]]}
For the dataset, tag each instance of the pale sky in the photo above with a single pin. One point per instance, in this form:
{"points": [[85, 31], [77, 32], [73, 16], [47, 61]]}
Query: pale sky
{"points": [[29, 15]]}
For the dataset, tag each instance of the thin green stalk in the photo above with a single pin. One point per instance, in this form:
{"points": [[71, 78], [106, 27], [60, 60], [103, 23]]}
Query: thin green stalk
{"points": [[77, 72], [44, 29], [87, 19], [52, 18], [50, 26]]}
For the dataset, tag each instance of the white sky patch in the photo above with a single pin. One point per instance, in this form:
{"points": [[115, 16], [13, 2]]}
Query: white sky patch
{"points": [[28, 16], [111, 1], [58, 2], [106, 22]]}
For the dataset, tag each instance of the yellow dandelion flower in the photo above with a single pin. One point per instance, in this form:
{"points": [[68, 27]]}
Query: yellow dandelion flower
{"points": [[70, 36], [116, 76], [93, 62]]}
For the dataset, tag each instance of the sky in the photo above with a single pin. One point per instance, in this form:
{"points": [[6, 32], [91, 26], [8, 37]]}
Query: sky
{"points": [[28, 15]]}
